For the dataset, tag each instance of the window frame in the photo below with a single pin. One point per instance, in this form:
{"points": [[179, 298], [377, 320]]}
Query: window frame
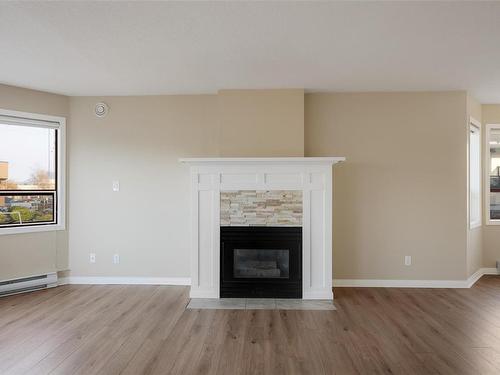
{"points": [[60, 188], [473, 123], [486, 168]]}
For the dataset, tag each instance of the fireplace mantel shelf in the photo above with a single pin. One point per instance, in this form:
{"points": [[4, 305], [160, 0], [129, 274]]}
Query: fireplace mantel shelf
{"points": [[328, 160]]}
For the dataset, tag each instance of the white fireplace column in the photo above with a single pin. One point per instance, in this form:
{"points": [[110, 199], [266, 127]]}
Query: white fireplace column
{"points": [[311, 175]]}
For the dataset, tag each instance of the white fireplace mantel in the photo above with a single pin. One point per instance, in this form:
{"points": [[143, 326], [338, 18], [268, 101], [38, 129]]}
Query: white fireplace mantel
{"points": [[329, 160], [311, 175]]}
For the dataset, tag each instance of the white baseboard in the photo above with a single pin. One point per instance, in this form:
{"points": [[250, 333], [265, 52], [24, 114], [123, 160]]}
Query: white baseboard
{"points": [[354, 283], [104, 280], [471, 280], [203, 293], [390, 283], [490, 271], [318, 294]]}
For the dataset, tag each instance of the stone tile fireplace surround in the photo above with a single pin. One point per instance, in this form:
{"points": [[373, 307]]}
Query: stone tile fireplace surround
{"points": [[261, 208], [292, 191]]}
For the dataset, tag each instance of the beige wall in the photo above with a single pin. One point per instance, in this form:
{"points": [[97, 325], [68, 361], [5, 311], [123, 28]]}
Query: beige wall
{"points": [[139, 144], [475, 235], [33, 253], [261, 122], [402, 190], [491, 233]]}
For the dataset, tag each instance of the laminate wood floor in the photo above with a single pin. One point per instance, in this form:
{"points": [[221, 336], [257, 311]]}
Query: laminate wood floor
{"points": [[100, 329]]}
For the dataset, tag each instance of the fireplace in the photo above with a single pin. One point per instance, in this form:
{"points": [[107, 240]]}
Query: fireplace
{"points": [[218, 181], [261, 262]]}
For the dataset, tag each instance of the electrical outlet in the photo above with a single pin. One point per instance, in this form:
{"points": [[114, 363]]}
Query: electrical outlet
{"points": [[116, 185], [407, 260], [92, 257], [116, 259]]}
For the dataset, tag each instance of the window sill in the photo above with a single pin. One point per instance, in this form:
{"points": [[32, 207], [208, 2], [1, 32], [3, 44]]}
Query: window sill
{"points": [[32, 229], [493, 222]]}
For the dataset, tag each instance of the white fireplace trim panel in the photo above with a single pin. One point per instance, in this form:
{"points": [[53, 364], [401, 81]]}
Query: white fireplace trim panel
{"points": [[313, 176]]}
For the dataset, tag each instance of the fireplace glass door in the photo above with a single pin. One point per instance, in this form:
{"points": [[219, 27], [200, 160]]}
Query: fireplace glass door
{"points": [[261, 263]]}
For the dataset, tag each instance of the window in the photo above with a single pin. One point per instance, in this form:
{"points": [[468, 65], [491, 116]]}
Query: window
{"points": [[493, 177], [474, 174], [31, 172]]}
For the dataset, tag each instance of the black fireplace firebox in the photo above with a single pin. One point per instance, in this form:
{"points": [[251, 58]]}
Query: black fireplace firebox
{"points": [[261, 262]]}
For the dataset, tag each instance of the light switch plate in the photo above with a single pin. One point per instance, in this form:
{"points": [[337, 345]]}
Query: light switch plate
{"points": [[116, 185]]}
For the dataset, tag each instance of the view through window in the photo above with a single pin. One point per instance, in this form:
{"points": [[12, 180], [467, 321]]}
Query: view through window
{"points": [[494, 172], [28, 174]]}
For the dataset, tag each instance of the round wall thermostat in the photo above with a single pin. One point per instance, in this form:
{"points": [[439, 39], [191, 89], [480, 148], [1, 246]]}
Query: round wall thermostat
{"points": [[101, 109]]}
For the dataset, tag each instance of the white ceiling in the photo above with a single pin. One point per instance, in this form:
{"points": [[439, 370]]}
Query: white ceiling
{"points": [[136, 48]]}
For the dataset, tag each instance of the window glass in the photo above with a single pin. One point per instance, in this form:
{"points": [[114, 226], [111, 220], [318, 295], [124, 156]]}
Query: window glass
{"points": [[24, 209], [28, 175], [494, 174], [27, 158]]}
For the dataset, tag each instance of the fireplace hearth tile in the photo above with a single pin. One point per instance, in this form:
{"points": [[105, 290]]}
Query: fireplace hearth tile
{"points": [[259, 304]]}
